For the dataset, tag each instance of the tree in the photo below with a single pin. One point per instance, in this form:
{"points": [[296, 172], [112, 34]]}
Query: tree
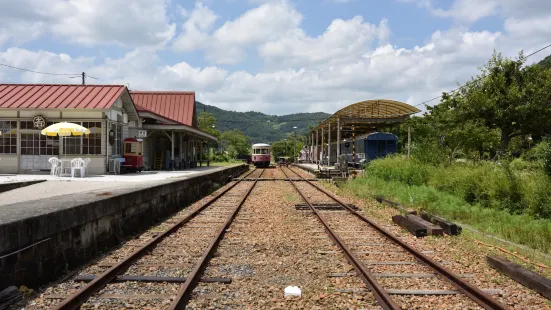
{"points": [[235, 142], [546, 62], [286, 146], [280, 148], [507, 96], [442, 135], [206, 123]]}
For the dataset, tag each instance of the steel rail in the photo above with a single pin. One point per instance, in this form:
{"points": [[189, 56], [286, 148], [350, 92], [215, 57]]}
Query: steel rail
{"points": [[184, 293], [478, 296], [367, 277], [81, 296]]}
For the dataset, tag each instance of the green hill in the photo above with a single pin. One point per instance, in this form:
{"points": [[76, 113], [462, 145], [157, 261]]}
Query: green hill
{"points": [[260, 127], [546, 62]]}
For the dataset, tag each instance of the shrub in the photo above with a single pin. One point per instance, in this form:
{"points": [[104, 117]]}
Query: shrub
{"points": [[397, 168], [520, 165], [221, 157], [536, 188], [516, 187], [546, 156], [537, 152]]}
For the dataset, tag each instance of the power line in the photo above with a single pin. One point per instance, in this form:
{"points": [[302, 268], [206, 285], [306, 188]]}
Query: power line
{"points": [[47, 73], [82, 75], [427, 101]]}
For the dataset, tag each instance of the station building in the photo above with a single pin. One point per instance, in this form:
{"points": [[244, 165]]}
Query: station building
{"points": [[166, 121]]}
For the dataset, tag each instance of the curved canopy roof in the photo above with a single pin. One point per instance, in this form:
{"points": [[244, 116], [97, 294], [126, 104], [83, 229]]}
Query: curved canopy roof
{"points": [[367, 113]]}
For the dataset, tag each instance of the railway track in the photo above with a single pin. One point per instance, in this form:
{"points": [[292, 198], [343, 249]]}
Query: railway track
{"points": [[379, 258], [171, 261]]}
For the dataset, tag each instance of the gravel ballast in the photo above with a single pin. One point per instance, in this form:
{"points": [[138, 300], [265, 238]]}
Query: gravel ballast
{"points": [[271, 245]]}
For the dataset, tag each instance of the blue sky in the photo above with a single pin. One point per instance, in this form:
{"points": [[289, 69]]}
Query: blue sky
{"points": [[273, 56]]}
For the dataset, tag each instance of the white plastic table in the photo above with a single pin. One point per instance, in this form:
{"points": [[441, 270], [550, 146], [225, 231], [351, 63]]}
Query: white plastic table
{"points": [[65, 165]]}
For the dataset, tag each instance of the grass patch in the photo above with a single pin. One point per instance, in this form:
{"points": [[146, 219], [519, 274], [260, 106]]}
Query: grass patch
{"points": [[518, 228], [291, 197], [517, 187]]}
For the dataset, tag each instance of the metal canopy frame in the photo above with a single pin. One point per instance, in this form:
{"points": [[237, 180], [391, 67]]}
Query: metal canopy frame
{"points": [[356, 119], [365, 116]]}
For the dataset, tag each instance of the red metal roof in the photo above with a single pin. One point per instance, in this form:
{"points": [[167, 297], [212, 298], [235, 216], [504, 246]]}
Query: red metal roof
{"points": [[176, 106], [55, 96]]}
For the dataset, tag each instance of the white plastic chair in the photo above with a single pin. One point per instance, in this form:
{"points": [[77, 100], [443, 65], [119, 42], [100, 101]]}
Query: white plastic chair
{"points": [[77, 164], [56, 166], [86, 162]]}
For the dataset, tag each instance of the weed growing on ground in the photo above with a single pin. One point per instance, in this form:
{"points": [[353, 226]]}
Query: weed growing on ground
{"points": [[519, 228]]}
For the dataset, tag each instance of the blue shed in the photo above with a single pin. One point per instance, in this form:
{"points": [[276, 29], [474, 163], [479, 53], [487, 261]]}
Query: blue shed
{"points": [[379, 144]]}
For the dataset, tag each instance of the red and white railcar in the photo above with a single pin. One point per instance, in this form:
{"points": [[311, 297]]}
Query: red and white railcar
{"points": [[261, 155]]}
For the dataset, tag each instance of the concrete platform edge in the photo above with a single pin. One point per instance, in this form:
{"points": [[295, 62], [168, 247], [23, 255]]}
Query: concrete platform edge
{"points": [[8, 186]]}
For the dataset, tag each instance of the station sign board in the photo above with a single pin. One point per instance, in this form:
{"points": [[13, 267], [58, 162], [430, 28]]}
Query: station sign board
{"points": [[142, 133]]}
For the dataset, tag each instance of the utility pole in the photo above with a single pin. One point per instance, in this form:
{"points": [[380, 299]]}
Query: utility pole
{"points": [[83, 76], [409, 142], [295, 146]]}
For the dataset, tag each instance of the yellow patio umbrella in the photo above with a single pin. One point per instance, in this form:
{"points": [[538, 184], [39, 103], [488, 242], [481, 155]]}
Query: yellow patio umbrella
{"points": [[64, 129]]}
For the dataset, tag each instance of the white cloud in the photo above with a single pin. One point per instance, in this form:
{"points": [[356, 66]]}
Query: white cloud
{"points": [[194, 30], [469, 11], [119, 22], [227, 44], [343, 41], [351, 60], [385, 72]]}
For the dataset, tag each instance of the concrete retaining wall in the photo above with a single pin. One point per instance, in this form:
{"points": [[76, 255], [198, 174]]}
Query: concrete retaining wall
{"points": [[39, 249]]}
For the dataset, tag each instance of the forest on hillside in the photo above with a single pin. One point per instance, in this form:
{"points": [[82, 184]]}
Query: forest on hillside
{"points": [[260, 127]]}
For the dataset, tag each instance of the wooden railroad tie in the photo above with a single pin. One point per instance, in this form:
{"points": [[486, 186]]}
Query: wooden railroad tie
{"points": [[449, 228], [412, 226], [152, 279], [430, 227], [372, 252], [418, 292], [522, 275], [10, 296], [117, 296], [396, 275], [324, 206]]}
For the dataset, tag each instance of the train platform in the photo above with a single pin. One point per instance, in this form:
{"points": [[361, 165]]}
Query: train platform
{"points": [[67, 221], [314, 167], [61, 186]]}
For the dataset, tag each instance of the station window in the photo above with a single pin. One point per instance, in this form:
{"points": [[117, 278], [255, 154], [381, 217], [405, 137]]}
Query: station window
{"points": [[91, 144], [34, 143], [85, 144], [8, 137]]}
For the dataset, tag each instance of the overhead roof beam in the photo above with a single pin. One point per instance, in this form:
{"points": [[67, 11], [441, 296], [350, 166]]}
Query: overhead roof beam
{"points": [[372, 120], [371, 111]]}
